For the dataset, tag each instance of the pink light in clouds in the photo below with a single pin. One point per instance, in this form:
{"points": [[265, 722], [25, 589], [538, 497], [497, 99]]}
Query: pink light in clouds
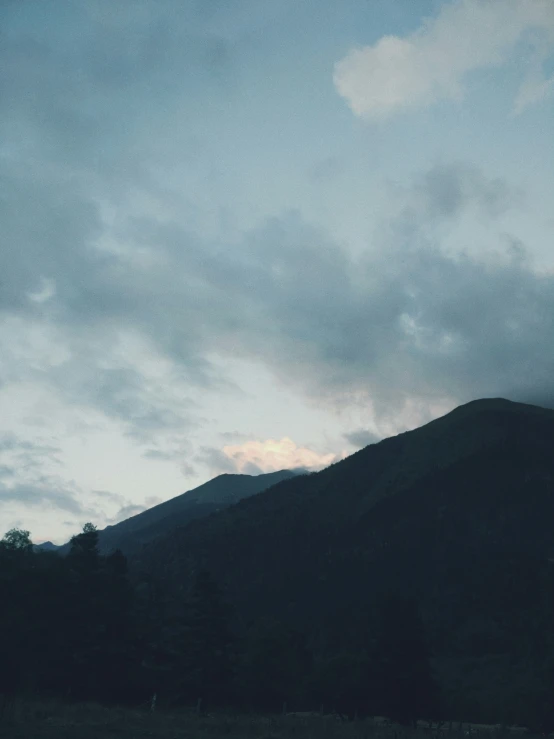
{"points": [[272, 455]]}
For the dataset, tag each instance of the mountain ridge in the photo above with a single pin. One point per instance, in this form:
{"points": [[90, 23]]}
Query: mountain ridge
{"points": [[219, 492], [456, 513]]}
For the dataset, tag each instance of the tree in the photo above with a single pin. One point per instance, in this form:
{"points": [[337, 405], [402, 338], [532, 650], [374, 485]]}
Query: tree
{"points": [[18, 628], [405, 686], [210, 639], [117, 658], [344, 682], [17, 540], [66, 623], [198, 645], [275, 667], [83, 613], [84, 552]]}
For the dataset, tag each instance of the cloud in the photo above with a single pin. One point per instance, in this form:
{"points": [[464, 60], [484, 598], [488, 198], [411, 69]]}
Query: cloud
{"points": [[28, 476], [26, 451], [326, 169], [534, 88], [233, 436], [27, 472], [216, 461], [50, 491], [434, 62], [158, 455], [406, 321], [113, 300], [137, 340], [256, 457], [133, 509], [126, 512], [107, 495], [445, 191], [361, 438]]}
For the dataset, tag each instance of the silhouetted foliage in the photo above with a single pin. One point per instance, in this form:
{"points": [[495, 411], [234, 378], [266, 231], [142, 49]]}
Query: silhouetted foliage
{"points": [[274, 668], [209, 640], [17, 540], [345, 683], [405, 687]]}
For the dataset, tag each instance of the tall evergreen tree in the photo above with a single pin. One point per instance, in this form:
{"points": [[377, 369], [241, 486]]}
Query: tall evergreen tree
{"points": [[118, 657], [84, 608], [16, 634], [210, 639], [84, 554], [405, 686], [274, 668], [344, 682]]}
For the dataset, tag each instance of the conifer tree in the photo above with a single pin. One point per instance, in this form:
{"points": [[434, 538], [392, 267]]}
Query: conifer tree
{"points": [[204, 643], [406, 689], [210, 638]]}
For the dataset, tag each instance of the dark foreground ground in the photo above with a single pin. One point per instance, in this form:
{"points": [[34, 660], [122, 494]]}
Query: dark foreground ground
{"points": [[47, 720]]}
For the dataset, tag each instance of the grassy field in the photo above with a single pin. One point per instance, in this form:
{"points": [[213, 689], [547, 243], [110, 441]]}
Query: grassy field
{"points": [[48, 720]]}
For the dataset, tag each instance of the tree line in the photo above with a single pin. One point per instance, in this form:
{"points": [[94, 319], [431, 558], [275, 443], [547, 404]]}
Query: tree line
{"points": [[77, 628]]}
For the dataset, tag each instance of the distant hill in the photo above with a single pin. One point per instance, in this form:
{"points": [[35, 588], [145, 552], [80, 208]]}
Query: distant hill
{"points": [[459, 513], [47, 546], [212, 496]]}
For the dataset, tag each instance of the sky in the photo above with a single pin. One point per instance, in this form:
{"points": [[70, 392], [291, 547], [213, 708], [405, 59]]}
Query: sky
{"points": [[246, 235]]}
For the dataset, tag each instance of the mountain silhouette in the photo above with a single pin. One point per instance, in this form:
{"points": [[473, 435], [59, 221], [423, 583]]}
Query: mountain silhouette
{"points": [[216, 494], [457, 514]]}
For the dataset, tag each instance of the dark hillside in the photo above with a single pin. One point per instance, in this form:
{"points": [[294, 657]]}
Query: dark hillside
{"points": [[212, 496], [457, 513]]}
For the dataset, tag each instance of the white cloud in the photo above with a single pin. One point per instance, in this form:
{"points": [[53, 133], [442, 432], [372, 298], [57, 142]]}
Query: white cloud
{"points": [[433, 62], [535, 87], [272, 455], [47, 290]]}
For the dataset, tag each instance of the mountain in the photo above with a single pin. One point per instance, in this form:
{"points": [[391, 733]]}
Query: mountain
{"points": [[457, 513], [46, 546], [212, 496]]}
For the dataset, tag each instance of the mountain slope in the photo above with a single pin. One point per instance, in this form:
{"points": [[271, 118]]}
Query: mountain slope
{"points": [[458, 513], [46, 546], [339, 496], [212, 496]]}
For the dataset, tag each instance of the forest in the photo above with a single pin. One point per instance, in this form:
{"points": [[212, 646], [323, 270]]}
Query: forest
{"points": [[75, 628]]}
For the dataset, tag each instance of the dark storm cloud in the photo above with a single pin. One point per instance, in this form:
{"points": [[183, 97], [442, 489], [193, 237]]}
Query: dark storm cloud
{"points": [[25, 481], [74, 78], [234, 437], [85, 115], [50, 492], [124, 393], [158, 455], [81, 95], [177, 451], [25, 448], [411, 321], [22, 455], [126, 512], [361, 438], [6, 472], [48, 228], [447, 190], [215, 460], [126, 508], [188, 470]]}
